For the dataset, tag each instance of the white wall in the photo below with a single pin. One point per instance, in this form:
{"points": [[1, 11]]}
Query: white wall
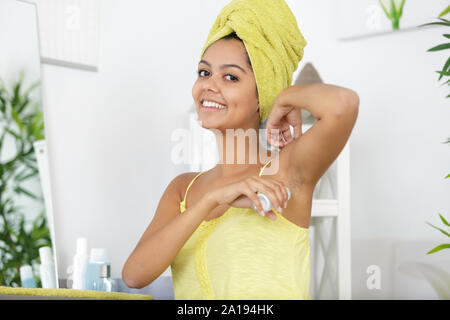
{"points": [[109, 132]]}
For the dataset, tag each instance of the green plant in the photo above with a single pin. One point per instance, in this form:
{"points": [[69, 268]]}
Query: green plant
{"points": [[444, 72], [20, 239], [445, 245], [395, 11]]}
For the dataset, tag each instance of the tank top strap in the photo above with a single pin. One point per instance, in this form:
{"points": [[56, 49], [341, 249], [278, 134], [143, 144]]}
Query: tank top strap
{"points": [[190, 184], [262, 169]]}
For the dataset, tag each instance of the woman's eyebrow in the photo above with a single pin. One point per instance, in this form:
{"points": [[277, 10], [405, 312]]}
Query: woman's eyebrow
{"points": [[223, 66]]}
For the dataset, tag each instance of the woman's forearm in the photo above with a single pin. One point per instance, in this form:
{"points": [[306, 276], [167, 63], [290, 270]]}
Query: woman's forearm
{"points": [[319, 99], [155, 253]]}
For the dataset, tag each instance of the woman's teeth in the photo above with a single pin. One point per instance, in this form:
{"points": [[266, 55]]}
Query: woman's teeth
{"points": [[210, 104]]}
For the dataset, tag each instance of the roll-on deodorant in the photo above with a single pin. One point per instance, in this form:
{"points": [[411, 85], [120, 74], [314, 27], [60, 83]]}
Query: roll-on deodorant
{"points": [[265, 202]]}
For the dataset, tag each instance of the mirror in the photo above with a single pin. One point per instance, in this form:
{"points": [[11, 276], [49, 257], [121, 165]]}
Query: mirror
{"points": [[24, 226]]}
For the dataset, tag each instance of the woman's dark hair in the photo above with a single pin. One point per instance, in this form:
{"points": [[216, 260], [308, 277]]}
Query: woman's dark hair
{"points": [[233, 35]]}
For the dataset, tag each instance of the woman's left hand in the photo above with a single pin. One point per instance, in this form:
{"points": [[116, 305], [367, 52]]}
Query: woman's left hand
{"points": [[280, 117]]}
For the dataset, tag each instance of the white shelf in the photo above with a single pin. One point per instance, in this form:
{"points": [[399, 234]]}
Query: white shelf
{"points": [[325, 208]]}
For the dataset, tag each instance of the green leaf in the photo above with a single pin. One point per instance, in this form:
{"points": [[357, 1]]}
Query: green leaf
{"points": [[440, 47], [16, 118], [442, 218], [393, 10], [448, 176], [443, 231], [18, 137], [31, 88], [16, 93], [446, 35], [21, 190], [32, 174], [436, 23], [447, 65], [440, 247], [401, 9], [443, 73], [384, 9], [443, 13]]}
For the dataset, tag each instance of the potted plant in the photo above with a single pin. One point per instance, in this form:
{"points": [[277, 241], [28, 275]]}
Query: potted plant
{"points": [[395, 11], [438, 278], [445, 72], [21, 121]]}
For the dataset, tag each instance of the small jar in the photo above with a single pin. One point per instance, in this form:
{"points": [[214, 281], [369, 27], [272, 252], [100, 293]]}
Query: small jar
{"points": [[104, 282]]}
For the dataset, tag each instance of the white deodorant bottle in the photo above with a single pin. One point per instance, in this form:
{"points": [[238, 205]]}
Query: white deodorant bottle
{"points": [[47, 268], [80, 261], [265, 202]]}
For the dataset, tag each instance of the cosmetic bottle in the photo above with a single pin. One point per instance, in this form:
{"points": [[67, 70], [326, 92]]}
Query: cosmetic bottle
{"points": [[265, 202], [26, 277], [47, 268], [69, 277], [80, 261], [97, 257], [104, 281]]}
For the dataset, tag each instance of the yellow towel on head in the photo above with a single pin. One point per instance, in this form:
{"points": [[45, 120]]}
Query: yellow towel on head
{"points": [[272, 39]]}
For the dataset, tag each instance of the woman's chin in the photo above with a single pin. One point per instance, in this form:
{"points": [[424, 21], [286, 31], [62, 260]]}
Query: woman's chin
{"points": [[208, 122]]}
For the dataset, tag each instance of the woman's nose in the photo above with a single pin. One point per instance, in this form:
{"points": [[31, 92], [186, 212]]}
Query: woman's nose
{"points": [[210, 84]]}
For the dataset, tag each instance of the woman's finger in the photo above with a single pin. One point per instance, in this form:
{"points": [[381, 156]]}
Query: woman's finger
{"points": [[250, 191], [272, 189], [279, 192], [283, 191], [271, 215]]}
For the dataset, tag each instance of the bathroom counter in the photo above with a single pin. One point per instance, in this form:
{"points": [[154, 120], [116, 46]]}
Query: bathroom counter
{"points": [[16, 293]]}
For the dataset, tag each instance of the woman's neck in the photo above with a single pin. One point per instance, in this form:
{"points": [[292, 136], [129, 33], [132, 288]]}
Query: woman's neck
{"points": [[240, 154]]}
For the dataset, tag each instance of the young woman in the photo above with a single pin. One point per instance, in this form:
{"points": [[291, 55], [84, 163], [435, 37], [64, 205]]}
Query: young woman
{"points": [[218, 247]]}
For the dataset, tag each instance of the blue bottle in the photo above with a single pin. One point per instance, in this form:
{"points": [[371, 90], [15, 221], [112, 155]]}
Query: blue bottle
{"points": [[26, 277], [104, 282], [98, 257]]}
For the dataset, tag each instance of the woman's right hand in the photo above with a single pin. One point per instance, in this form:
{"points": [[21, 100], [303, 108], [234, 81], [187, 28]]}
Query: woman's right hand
{"points": [[242, 194]]}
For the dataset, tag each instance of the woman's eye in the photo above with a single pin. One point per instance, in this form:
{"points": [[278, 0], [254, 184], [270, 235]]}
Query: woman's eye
{"points": [[233, 78], [200, 72]]}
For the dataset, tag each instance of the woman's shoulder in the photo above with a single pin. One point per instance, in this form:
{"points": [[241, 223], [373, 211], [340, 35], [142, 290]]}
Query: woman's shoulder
{"points": [[182, 182]]}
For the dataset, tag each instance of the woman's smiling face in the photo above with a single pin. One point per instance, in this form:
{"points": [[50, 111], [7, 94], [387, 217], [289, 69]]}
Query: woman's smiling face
{"points": [[225, 77]]}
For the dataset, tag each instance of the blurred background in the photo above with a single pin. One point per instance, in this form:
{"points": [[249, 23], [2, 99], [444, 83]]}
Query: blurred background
{"points": [[115, 80]]}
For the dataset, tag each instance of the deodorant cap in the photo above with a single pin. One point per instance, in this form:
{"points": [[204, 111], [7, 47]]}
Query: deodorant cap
{"points": [[105, 271], [26, 272], [46, 255], [82, 246], [265, 202]]}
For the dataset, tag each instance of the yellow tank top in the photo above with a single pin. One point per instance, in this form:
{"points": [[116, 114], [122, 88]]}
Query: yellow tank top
{"points": [[241, 256]]}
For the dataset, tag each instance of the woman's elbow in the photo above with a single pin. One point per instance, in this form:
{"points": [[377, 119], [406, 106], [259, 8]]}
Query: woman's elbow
{"points": [[133, 280], [130, 279], [349, 103], [350, 99]]}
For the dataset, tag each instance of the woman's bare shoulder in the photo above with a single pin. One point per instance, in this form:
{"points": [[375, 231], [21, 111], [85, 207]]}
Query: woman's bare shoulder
{"points": [[182, 181]]}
